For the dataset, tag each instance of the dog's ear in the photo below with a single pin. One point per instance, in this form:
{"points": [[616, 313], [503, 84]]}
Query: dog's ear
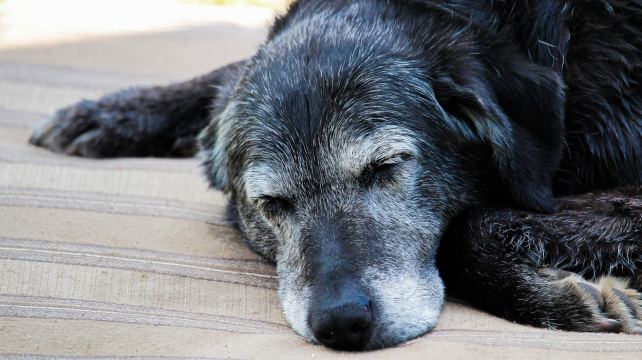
{"points": [[212, 139], [517, 107], [213, 155]]}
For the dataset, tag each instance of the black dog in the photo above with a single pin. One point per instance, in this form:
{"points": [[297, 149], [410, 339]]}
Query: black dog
{"points": [[366, 131]]}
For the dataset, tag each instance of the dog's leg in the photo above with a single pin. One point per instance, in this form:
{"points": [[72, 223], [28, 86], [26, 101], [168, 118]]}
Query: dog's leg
{"points": [[154, 121], [579, 269]]}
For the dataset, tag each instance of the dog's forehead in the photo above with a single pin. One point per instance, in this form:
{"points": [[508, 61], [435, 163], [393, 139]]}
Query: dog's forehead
{"points": [[310, 136], [342, 156], [354, 152], [319, 108]]}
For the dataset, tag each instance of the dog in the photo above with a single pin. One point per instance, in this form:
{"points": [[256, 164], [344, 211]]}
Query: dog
{"points": [[376, 149]]}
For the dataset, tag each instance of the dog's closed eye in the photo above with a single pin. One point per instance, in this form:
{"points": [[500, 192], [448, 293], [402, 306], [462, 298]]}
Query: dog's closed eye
{"points": [[273, 205], [382, 171]]}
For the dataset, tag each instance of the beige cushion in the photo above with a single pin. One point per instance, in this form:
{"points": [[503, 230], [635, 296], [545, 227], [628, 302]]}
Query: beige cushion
{"points": [[132, 257]]}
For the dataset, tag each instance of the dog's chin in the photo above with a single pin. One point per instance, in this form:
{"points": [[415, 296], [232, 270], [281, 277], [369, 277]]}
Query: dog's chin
{"points": [[405, 306], [296, 305]]}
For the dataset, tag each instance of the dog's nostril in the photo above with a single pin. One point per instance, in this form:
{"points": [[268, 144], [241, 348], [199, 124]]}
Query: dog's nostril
{"points": [[347, 326], [360, 326]]}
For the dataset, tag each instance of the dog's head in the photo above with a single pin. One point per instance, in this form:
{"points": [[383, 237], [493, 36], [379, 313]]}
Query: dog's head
{"points": [[347, 146]]}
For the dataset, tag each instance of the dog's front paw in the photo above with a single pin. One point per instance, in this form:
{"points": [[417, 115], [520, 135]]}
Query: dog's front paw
{"points": [[76, 130], [610, 304]]}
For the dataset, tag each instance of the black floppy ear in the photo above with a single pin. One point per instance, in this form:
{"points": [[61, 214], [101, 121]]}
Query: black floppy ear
{"points": [[532, 98], [213, 155], [517, 107], [212, 140]]}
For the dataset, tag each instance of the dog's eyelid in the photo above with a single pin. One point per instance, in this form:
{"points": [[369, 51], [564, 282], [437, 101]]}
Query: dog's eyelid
{"points": [[272, 203], [268, 198], [392, 160], [381, 167]]}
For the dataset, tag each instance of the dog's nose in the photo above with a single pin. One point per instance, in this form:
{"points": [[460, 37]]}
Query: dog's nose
{"points": [[347, 326]]}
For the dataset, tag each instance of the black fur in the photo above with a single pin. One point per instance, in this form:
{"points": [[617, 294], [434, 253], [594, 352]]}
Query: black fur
{"points": [[493, 257], [512, 103], [156, 121]]}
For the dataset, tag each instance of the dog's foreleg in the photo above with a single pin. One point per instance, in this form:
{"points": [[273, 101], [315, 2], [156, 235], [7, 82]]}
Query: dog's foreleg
{"points": [[525, 266], [152, 121]]}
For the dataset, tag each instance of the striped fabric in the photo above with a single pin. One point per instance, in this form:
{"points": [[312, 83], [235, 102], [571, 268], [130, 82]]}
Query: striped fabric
{"points": [[132, 257]]}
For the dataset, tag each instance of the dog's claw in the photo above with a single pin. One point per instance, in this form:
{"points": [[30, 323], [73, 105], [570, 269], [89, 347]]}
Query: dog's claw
{"points": [[74, 130], [79, 147], [42, 130], [611, 305], [594, 292], [610, 325], [633, 308]]}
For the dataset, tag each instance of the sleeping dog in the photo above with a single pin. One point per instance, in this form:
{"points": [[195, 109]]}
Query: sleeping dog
{"points": [[364, 133]]}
